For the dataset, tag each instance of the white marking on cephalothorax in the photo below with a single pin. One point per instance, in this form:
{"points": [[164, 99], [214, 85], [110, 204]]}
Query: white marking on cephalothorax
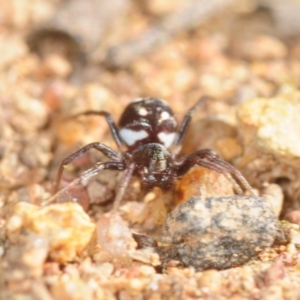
{"points": [[143, 111], [165, 115], [167, 138], [130, 136]]}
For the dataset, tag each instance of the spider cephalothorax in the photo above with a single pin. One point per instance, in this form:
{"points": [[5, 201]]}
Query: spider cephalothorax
{"points": [[149, 130]]}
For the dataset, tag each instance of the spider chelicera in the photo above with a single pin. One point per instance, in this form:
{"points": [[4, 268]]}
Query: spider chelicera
{"points": [[148, 129]]}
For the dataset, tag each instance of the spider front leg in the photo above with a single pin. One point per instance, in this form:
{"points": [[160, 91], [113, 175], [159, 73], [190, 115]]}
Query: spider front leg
{"points": [[109, 119], [86, 175], [107, 151], [187, 119], [123, 184], [209, 159]]}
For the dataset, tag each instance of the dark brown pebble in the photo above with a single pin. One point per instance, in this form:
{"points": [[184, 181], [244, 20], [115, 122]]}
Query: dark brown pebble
{"points": [[220, 232]]}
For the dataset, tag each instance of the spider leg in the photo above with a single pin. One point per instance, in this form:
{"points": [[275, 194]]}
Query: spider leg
{"points": [[85, 176], [123, 183], [109, 119], [187, 119], [107, 151], [236, 186], [208, 159]]}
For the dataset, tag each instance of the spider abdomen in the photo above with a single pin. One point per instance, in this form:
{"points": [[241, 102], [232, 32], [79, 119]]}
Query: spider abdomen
{"points": [[147, 120]]}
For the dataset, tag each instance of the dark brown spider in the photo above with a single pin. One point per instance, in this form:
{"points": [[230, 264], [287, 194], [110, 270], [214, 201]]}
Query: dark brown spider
{"points": [[148, 129]]}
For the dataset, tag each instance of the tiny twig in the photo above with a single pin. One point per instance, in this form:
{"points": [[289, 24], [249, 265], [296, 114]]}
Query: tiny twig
{"points": [[194, 14]]}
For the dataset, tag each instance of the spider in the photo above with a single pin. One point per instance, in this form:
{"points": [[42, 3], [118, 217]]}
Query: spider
{"points": [[148, 129]]}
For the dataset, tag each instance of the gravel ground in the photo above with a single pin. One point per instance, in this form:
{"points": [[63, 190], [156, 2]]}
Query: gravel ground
{"points": [[204, 239]]}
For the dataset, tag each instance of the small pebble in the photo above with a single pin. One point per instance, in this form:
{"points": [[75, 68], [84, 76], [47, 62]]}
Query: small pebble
{"points": [[72, 288], [12, 48], [293, 217], [273, 194], [65, 226], [201, 182], [263, 124], [262, 47], [114, 236]]}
